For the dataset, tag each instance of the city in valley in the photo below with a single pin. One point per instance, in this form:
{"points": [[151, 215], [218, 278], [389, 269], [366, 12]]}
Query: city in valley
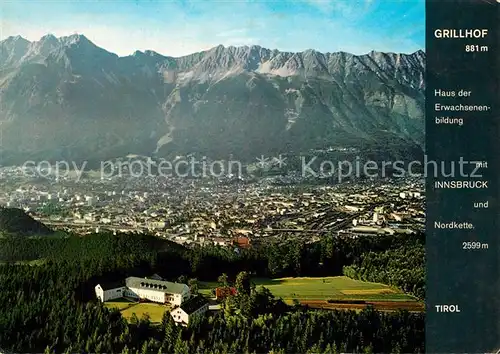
{"points": [[225, 211]]}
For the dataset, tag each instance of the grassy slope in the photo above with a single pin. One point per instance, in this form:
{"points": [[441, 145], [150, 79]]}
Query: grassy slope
{"points": [[127, 309]]}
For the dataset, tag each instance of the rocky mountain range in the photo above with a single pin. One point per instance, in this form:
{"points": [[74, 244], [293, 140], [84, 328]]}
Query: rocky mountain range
{"points": [[66, 98]]}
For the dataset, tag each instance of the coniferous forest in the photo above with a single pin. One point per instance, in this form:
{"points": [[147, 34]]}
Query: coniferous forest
{"points": [[48, 302]]}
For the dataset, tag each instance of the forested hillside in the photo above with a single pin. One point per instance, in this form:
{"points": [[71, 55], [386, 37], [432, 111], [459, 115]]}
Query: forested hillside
{"points": [[50, 305], [16, 222]]}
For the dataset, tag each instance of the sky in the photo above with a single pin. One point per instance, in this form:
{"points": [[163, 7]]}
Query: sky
{"points": [[178, 28]]}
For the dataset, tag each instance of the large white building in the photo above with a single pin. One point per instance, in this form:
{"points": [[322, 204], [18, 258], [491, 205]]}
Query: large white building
{"points": [[153, 290]]}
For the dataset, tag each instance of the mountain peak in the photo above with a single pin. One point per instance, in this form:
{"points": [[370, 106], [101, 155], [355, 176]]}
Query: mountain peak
{"points": [[49, 41], [78, 39], [252, 47], [14, 39], [49, 37], [218, 48], [39, 50], [13, 49], [147, 55], [152, 53]]}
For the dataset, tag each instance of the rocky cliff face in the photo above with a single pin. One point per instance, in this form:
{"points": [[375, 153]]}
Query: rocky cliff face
{"points": [[66, 98]]}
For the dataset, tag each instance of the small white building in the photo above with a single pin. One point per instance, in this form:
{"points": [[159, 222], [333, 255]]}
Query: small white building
{"points": [[154, 290], [196, 306], [109, 291]]}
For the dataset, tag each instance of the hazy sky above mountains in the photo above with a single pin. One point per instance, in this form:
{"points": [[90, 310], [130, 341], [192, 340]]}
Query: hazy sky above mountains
{"points": [[182, 27]]}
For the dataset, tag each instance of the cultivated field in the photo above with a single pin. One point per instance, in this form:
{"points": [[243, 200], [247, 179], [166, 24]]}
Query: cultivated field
{"points": [[331, 288], [127, 309], [413, 306], [316, 292]]}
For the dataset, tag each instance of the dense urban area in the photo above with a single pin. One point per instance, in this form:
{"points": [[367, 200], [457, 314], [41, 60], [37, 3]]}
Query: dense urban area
{"points": [[222, 211]]}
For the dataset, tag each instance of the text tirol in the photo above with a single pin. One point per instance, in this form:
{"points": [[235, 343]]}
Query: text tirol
{"points": [[447, 308]]}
